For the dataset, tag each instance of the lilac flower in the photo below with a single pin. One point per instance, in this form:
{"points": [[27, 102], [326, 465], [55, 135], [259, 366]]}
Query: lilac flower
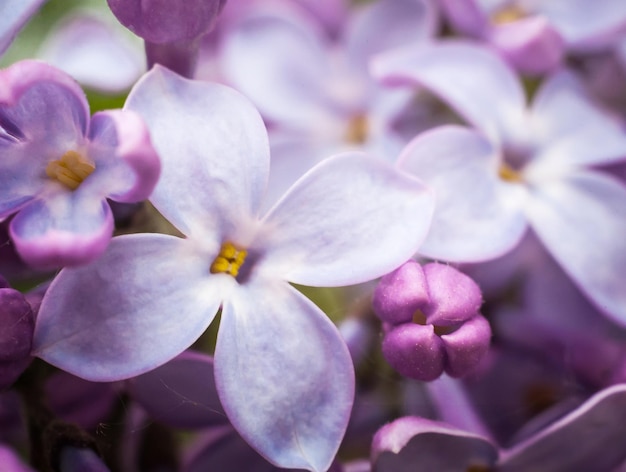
{"points": [[522, 165], [316, 91], [535, 36], [597, 426], [283, 373], [13, 16], [57, 168], [432, 323], [171, 30]]}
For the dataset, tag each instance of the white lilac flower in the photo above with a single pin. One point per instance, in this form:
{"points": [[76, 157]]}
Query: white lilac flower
{"points": [[283, 373]]}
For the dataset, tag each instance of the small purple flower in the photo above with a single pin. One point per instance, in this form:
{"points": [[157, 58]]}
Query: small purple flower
{"points": [[431, 320], [152, 295], [522, 165], [57, 168]]}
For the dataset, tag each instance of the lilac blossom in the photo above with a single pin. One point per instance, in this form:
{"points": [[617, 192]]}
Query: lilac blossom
{"points": [[13, 16], [431, 321], [154, 286], [171, 30], [314, 90], [58, 167], [415, 444], [520, 166], [534, 36]]}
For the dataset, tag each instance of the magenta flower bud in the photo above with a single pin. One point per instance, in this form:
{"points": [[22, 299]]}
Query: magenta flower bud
{"points": [[400, 293], [431, 321]]}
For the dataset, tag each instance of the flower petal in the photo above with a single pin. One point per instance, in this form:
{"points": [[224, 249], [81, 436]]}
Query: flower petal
{"points": [[471, 79], [477, 216], [280, 61], [413, 444], [215, 160], [13, 15], [126, 152], [289, 399], [106, 321], [596, 428], [572, 131], [181, 393], [62, 230], [324, 230], [581, 219]]}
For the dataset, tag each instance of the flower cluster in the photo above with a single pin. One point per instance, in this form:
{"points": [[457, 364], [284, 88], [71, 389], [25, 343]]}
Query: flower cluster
{"points": [[336, 235]]}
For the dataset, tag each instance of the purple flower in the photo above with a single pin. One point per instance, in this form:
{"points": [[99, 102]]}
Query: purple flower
{"points": [[58, 168], [522, 166], [431, 320], [151, 296], [13, 16], [535, 36]]}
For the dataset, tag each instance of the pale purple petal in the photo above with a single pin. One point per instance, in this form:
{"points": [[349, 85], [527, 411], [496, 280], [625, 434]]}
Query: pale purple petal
{"points": [[181, 393], [133, 171], [413, 444], [324, 230], [13, 16], [466, 16], [213, 149], [477, 215], [388, 24], [104, 321], [580, 29], [95, 52], [289, 399], [570, 130], [280, 61], [581, 219], [464, 75], [589, 438], [65, 229]]}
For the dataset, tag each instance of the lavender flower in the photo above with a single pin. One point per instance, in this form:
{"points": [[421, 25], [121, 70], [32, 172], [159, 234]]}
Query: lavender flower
{"points": [[57, 168], [522, 166], [288, 398]]}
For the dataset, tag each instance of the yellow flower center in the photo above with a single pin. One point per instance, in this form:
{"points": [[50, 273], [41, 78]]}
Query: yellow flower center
{"points": [[509, 174], [358, 129], [508, 14], [229, 260], [70, 170]]}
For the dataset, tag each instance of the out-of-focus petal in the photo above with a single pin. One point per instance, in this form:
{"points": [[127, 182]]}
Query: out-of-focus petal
{"points": [[103, 321], [125, 133], [280, 61], [62, 230], [95, 52], [11, 462], [181, 393], [570, 130], [350, 219], [473, 80], [596, 429], [13, 16], [213, 148], [388, 24], [581, 219], [466, 16], [413, 444], [290, 400], [477, 215]]}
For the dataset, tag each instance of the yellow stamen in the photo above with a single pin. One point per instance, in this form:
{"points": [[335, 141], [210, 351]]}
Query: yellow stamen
{"points": [[508, 14], [358, 129], [509, 174], [229, 260], [70, 170]]}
